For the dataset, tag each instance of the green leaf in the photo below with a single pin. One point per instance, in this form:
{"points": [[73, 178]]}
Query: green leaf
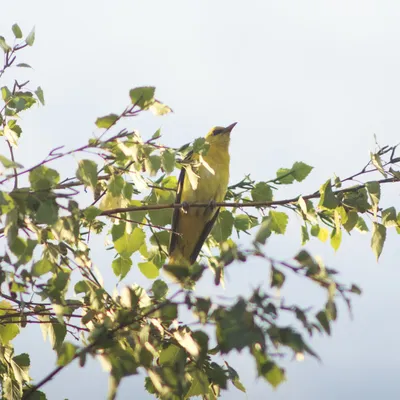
{"points": [[17, 31], [223, 227], [148, 269], [168, 161], [323, 320], [152, 165], [91, 213], [66, 353], [328, 200], [9, 163], [158, 108], [361, 225], [376, 161], [8, 332], [87, 173], [389, 217], [142, 97], [42, 267], [378, 238], [171, 355], [305, 237], [116, 185], [23, 65], [39, 93], [4, 45], [236, 328], [355, 289], [262, 192], [244, 222], [5, 92], [284, 176], [107, 121], [30, 39], [199, 386], [374, 190], [43, 178], [129, 243], [352, 218], [336, 238], [277, 278], [279, 221], [121, 266], [274, 375], [300, 171], [264, 232], [47, 212], [159, 289]]}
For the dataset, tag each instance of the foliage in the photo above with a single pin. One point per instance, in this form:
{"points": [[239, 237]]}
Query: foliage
{"points": [[47, 275]]}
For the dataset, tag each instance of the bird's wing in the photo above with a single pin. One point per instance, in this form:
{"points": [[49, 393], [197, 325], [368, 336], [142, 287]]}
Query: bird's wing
{"points": [[207, 229], [175, 216]]}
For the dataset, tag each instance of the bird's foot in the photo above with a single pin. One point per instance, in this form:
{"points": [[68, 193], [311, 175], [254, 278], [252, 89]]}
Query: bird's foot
{"points": [[210, 207], [185, 206]]}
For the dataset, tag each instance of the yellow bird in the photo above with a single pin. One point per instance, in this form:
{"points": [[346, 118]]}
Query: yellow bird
{"points": [[191, 226]]}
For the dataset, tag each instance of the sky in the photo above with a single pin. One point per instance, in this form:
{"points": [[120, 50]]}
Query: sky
{"points": [[306, 81]]}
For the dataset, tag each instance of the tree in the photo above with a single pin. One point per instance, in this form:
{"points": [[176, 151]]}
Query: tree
{"points": [[47, 226]]}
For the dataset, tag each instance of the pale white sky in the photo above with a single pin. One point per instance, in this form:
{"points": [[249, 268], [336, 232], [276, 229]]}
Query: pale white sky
{"points": [[307, 81]]}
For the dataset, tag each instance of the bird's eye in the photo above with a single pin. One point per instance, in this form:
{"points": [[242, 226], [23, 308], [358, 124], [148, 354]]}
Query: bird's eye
{"points": [[217, 132]]}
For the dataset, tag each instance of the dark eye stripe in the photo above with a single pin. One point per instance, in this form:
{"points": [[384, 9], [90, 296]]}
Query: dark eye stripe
{"points": [[217, 132]]}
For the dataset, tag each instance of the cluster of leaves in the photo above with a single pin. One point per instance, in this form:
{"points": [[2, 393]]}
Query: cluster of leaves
{"points": [[46, 228]]}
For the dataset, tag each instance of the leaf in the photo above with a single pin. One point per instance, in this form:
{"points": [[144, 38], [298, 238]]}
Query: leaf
{"points": [[336, 238], [42, 267], [39, 93], [142, 97], [129, 243], [159, 289], [277, 278], [17, 31], [91, 213], [47, 212], [376, 161], [30, 39], [4, 45], [389, 217], [244, 222], [148, 269], [378, 238], [199, 386], [9, 163], [152, 164], [23, 65], [168, 161], [352, 218], [374, 190], [66, 353], [264, 232], [279, 221], [300, 171], [107, 121], [284, 176], [11, 135], [323, 320], [87, 173], [171, 355], [121, 266], [304, 235], [275, 375], [262, 192], [361, 225], [158, 108], [8, 332], [223, 227], [43, 178], [328, 200]]}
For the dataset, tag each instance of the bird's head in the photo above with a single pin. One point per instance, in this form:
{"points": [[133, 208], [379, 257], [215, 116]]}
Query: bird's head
{"points": [[219, 134]]}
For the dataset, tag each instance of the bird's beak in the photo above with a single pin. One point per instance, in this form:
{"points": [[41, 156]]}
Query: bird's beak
{"points": [[229, 128]]}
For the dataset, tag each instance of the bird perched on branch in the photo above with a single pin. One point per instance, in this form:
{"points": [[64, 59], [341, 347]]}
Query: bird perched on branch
{"points": [[203, 179]]}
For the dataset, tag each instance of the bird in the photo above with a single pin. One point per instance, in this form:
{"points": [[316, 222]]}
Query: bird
{"points": [[191, 225]]}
